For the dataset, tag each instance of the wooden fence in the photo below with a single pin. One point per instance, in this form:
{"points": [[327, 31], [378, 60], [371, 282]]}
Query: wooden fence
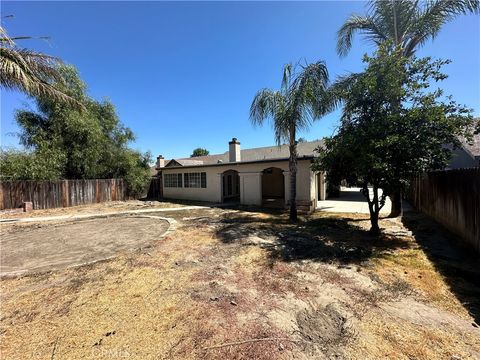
{"points": [[452, 197], [62, 193]]}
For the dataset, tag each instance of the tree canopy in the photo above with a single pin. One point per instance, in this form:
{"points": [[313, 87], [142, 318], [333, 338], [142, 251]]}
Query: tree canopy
{"points": [[71, 144], [199, 152], [394, 126]]}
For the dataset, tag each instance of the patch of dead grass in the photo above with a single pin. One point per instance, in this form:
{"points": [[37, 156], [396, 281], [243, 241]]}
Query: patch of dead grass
{"points": [[383, 337], [413, 267]]}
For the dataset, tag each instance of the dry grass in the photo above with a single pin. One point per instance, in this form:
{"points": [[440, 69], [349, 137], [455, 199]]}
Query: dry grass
{"points": [[413, 267], [385, 337], [200, 289]]}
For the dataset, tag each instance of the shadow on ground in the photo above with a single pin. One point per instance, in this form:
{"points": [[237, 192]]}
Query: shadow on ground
{"points": [[330, 238], [459, 266], [325, 238]]}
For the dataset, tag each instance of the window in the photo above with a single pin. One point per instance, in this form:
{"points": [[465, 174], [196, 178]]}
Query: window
{"points": [[195, 180], [172, 180]]}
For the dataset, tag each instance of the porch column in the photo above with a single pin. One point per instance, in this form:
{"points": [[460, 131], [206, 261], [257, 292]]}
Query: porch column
{"points": [[286, 174], [323, 186], [250, 188], [220, 181]]}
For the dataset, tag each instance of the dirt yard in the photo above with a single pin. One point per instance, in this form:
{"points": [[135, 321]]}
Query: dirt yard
{"points": [[231, 284], [55, 245]]}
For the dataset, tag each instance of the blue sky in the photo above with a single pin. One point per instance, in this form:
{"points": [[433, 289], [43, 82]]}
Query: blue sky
{"points": [[183, 74]]}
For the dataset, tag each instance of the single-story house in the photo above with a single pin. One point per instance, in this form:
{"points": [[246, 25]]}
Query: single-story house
{"points": [[258, 176]]}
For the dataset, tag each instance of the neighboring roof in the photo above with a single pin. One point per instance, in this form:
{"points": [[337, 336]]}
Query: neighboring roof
{"points": [[472, 147], [183, 162], [262, 153], [467, 155]]}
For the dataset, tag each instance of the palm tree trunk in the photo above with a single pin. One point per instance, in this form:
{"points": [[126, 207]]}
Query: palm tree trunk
{"points": [[292, 164], [395, 22]]}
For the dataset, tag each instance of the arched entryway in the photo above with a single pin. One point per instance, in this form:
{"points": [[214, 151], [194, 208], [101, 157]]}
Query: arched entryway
{"points": [[273, 187], [230, 186]]}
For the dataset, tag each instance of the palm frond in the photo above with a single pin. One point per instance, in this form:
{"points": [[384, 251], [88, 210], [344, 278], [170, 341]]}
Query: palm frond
{"points": [[309, 92], [266, 104], [406, 23], [287, 74], [281, 125], [31, 72], [432, 17], [302, 99], [357, 23], [338, 90]]}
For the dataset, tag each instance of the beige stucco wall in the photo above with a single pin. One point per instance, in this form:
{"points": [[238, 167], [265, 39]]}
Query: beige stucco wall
{"points": [[250, 182], [211, 193]]}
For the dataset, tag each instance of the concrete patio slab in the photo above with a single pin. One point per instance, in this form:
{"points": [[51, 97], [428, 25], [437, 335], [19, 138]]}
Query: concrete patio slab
{"points": [[351, 200]]}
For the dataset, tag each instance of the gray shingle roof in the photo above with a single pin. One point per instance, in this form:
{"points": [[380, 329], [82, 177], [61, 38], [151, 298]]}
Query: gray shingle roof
{"points": [[472, 147], [262, 153], [184, 162]]}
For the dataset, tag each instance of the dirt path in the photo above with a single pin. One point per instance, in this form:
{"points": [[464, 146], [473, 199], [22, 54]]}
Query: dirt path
{"points": [[55, 245], [86, 215]]}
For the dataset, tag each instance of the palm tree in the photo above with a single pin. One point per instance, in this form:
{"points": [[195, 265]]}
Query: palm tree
{"points": [[301, 99], [406, 23], [30, 72]]}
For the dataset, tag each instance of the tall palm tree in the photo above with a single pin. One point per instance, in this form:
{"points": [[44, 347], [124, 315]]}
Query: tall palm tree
{"points": [[406, 23], [30, 72], [302, 98]]}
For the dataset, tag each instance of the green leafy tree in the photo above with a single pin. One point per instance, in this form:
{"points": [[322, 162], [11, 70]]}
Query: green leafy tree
{"points": [[90, 144], [301, 99], [383, 146], [29, 71], [199, 152], [407, 24], [45, 164]]}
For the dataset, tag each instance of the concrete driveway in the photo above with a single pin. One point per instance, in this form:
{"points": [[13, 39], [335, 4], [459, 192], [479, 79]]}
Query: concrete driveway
{"points": [[351, 200]]}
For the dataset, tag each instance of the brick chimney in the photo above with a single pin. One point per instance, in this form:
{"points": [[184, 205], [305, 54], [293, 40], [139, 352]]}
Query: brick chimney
{"points": [[234, 151], [160, 162]]}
